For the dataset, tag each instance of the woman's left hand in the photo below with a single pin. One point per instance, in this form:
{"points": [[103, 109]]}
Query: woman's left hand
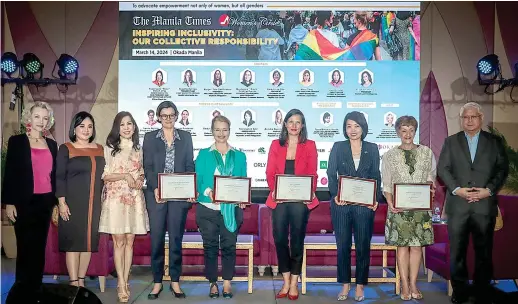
{"points": [[373, 207], [139, 183], [432, 190], [193, 200], [312, 198]]}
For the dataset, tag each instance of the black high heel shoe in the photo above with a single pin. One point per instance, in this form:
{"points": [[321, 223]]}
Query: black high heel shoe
{"points": [[213, 295], [178, 295], [227, 295], [154, 296]]}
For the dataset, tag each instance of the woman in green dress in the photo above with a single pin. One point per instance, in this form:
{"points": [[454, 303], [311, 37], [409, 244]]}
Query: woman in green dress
{"points": [[219, 223], [408, 230]]}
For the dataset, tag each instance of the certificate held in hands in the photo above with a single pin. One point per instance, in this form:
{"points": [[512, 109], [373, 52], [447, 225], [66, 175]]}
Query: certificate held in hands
{"points": [[413, 196], [234, 190], [294, 188], [358, 191], [176, 186]]}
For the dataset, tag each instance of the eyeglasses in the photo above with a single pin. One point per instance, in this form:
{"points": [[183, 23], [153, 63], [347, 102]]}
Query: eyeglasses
{"points": [[468, 118], [168, 117]]}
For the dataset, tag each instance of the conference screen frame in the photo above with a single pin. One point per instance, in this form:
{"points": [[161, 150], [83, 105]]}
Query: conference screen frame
{"points": [[220, 58]]}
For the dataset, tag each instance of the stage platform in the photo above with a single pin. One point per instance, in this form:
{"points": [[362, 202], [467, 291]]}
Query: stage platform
{"points": [[264, 290]]}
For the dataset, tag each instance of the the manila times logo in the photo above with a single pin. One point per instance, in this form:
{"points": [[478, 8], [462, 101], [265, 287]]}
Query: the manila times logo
{"points": [[261, 150], [224, 20]]}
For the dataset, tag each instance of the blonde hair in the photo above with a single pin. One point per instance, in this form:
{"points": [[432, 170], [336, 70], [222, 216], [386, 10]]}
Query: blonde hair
{"points": [[27, 112], [219, 118]]}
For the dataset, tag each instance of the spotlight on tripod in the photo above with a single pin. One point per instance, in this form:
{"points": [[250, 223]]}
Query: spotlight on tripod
{"points": [[30, 70]]}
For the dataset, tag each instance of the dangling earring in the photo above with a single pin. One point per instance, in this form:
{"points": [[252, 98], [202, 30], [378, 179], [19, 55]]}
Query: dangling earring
{"points": [[28, 127]]}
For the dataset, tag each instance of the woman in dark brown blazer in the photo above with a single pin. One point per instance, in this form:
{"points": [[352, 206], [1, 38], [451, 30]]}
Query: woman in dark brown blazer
{"points": [[28, 191]]}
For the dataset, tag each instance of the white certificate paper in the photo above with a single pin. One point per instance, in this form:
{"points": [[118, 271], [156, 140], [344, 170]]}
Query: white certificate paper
{"points": [[358, 191], [177, 186], [229, 189], [294, 188], [413, 196]]}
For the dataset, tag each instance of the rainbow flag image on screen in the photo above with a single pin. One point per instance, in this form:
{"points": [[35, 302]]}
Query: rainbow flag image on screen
{"points": [[316, 47]]}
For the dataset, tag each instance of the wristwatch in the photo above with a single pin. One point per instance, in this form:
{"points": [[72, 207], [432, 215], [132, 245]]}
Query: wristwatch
{"points": [[490, 192]]}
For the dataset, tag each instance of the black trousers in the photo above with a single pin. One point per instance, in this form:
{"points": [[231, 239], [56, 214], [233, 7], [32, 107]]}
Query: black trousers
{"points": [[481, 227], [174, 214], [215, 236], [290, 219], [31, 228], [347, 219]]}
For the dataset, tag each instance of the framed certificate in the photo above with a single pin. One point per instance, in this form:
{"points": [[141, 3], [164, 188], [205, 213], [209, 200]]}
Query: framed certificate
{"points": [[230, 189], [293, 188], [176, 186], [413, 196], [355, 190]]}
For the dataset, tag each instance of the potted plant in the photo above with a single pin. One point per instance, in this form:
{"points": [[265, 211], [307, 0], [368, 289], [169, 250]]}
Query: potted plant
{"points": [[511, 185]]}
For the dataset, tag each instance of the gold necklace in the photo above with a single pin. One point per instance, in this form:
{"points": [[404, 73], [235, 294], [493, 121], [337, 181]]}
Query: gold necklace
{"points": [[34, 138]]}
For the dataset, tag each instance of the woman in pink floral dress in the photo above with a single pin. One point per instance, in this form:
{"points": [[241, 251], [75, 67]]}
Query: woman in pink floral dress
{"points": [[124, 211]]}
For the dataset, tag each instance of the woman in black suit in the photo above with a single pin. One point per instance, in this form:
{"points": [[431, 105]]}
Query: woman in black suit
{"points": [[167, 150], [357, 158], [29, 187]]}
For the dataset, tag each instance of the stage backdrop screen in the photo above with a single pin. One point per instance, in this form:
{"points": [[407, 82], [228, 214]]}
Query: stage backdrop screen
{"points": [[254, 61]]}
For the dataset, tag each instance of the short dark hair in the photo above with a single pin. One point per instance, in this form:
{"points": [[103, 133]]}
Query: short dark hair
{"points": [[303, 136], [150, 112], [326, 115], [249, 113], [76, 121], [407, 121], [166, 105], [322, 17], [358, 118], [297, 19]]}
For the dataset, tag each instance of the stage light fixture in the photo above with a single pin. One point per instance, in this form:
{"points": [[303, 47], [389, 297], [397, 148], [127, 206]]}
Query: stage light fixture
{"points": [[31, 64], [488, 64], [10, 63], [490, 73], [67, 65]]}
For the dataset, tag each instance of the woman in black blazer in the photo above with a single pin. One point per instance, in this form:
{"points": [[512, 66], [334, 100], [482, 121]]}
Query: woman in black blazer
{"points": [[167, 150], [357, 158], [28, 190]]}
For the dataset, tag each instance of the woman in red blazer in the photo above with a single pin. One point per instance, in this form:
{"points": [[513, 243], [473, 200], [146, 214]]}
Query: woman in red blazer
{"points": [[292, 153]]}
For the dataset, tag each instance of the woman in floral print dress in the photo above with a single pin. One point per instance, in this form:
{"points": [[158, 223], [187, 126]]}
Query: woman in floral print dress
{"points": [[124, 212], [408, 230]]}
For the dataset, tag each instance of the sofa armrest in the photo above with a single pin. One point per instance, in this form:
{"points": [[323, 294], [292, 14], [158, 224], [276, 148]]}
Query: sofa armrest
{"points": [[440, 232], [101, 263], [265, 235]]}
